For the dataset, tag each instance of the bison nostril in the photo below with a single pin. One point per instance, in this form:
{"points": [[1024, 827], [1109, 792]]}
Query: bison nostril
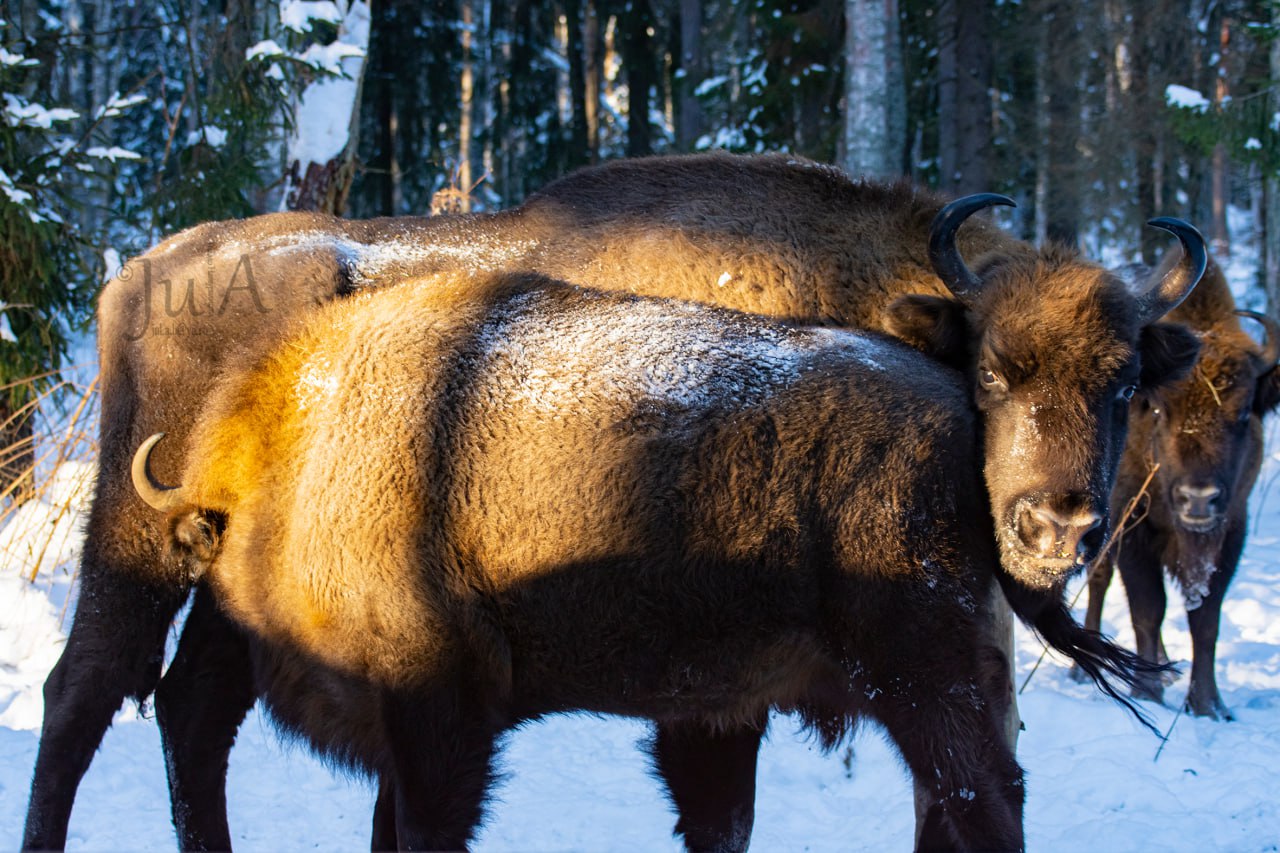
{"points": [[1075, 536], [1196, 501]]}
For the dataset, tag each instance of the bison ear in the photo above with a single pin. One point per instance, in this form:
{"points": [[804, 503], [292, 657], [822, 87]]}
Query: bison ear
{"points": [[1267, 395], [932, 324], [1168, 353], [196, 533]]}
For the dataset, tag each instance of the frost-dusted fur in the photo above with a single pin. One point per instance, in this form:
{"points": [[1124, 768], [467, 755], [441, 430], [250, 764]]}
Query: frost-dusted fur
{"points": [[775, 235], [452, 506], [1204, 432]]}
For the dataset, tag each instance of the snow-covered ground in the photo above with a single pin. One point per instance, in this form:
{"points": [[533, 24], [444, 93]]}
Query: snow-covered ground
{"points": [[582, 782]]}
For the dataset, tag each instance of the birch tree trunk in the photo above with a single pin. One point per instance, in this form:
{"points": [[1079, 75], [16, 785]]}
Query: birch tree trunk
{"points": [[322, 149], [1271, 223], [466, 88], [874, 134], [1219, 240]]}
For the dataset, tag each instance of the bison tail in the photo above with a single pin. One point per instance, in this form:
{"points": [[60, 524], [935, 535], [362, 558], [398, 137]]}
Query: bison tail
{"points": [[1098, 657]]}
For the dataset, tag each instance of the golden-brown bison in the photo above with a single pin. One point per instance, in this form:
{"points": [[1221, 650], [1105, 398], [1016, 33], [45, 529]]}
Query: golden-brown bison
{"points": [[456, 505]]}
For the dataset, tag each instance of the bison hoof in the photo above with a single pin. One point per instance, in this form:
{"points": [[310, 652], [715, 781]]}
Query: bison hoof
{"points": [[1148, 692], [1213, 708]]}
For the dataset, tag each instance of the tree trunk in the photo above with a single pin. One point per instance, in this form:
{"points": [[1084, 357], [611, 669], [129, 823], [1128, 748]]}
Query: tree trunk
{"points": [[462, 201], [634, 24], [1271, 223], [873, 142], [1058, 172], [579, 147], [593, 67], [322, 159], [1219, 239], [1145, 104], [689, 123]]}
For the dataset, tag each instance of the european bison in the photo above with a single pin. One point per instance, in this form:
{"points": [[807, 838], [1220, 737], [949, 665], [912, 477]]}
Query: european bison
{"points": [[455, 506], [1049, 342], [1205, 434]]}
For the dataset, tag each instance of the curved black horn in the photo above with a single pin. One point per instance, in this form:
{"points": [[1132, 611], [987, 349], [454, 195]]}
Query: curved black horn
{"points": [[154, 495], [1167, 293], [1271, 345], [943, 253]]}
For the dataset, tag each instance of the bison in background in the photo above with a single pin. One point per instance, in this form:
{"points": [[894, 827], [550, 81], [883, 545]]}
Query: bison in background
{"points": [[1050, 345], [461, 504], [1205, 434]]}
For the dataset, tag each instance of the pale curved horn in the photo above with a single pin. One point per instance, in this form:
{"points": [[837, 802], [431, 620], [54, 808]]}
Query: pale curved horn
{"points": [[943, 253], [1271, 345], [154, 495], [1167, 293]]}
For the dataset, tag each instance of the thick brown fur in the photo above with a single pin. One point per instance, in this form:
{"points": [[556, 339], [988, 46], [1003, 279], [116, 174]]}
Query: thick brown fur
{"points": [[775, 234], [1205, 434], [455, 505]]}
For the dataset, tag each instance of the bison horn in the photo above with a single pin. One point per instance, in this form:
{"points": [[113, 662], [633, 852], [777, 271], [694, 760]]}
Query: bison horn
{"points": [[1271, 345], [156, 496], [943, 253], [1166, 294]]}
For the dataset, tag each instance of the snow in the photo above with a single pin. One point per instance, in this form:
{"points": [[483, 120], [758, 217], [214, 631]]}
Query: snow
{"points": [[15, 59], [22, 112], [297, 15], [267, 47], [581, 782], [323, 117], [116, 105], [211, 135], [113, 153], [15, 195], [6, 331], [1184, 98]]}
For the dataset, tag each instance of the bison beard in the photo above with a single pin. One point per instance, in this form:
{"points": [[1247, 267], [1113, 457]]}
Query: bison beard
{"points": [[774, 235]]}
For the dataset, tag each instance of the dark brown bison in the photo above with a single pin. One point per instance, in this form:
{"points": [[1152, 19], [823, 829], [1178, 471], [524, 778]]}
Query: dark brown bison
{"points": [[458, 505], [1204, 433], [1051, 344]]}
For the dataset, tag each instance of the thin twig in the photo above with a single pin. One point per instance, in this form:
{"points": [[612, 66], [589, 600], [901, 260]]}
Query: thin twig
{"points": [[1169, 731]]}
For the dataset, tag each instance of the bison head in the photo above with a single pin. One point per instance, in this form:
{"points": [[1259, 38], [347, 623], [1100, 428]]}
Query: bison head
{"points": [[1206, 429], [1055, 348]]}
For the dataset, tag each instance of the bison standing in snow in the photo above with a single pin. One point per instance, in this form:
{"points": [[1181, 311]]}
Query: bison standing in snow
{"points": [[1051, 346], [457, 505], [1204, 433]]}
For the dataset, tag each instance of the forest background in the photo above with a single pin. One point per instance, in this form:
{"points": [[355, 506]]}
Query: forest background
{"points": [[125, 120]]}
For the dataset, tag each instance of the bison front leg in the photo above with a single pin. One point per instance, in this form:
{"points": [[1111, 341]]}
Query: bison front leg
{"points": [[1203, 698], [1144, 584], [711, 777], [442, 746], [114, 650], [950, 731], [200, 704], [384, 818], [1100, 574]]}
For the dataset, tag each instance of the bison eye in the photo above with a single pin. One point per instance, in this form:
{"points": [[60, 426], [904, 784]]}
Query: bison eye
{"points": [[991, 381], [1128, 391]]}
